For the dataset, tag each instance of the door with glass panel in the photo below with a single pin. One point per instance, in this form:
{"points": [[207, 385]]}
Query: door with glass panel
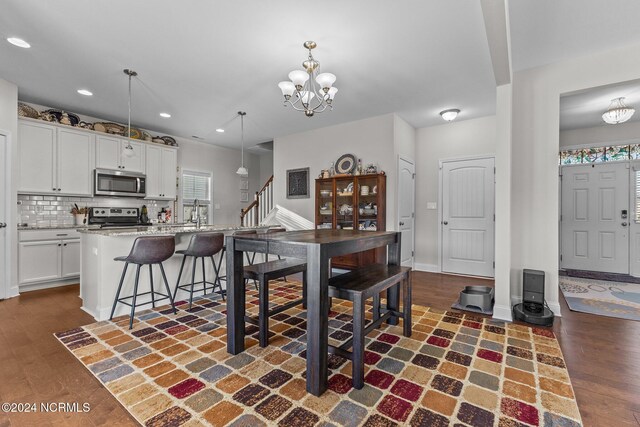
{"points": [[595, 217]]}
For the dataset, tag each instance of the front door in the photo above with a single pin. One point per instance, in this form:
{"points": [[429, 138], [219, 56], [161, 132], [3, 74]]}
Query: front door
{"points": [[468, 217], [406, 201], [595, 217]]}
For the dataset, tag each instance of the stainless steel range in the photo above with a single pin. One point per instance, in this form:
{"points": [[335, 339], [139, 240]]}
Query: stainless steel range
{"points": [[114, 217]]}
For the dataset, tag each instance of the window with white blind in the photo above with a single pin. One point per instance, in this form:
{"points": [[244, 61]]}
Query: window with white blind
{"points": [[196, 185]]}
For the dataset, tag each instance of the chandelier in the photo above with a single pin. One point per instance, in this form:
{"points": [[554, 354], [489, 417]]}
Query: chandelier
{"points": [[618, 112], [309, 91]]}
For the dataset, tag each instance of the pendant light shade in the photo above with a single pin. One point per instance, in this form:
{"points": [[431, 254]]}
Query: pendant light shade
{"points": [[618, 112], [242, 171]]}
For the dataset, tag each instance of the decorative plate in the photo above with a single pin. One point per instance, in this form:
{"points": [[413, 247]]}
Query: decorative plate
{"points": [[25, 110], [146, 135], [346, 163], [157, 140], [108, 127], [169, 141], [133, 133], [63, 117], [85, 125]]}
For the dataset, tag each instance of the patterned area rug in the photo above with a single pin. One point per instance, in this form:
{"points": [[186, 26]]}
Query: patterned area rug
{"points": [[457, 369], [605, 298]]}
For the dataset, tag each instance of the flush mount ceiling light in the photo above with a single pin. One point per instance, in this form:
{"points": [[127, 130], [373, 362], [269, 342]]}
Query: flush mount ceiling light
{"points": [[128, 149], [618, 112], [220, 130], [85, 92], [165, 115], [309, 91], [242, 171], [18, 42], [450, 115]]}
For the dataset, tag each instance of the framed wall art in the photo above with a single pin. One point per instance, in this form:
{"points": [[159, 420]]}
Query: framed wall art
{"points": [[298, 183]]}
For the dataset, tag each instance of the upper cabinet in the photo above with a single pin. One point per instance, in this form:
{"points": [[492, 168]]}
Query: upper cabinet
{"points": [[55, 160], [161, 166], [110, 154]]}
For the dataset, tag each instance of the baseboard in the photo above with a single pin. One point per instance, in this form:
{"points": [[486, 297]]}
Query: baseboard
{"points": [[502, 312], [47, 285], [430, 268]]}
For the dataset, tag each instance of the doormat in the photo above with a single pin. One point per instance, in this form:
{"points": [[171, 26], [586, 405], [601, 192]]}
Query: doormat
{"points": [[455, 369], [602, 297]]}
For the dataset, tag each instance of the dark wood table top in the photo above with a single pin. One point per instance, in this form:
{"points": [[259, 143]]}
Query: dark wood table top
{"points": [[318, 236]]}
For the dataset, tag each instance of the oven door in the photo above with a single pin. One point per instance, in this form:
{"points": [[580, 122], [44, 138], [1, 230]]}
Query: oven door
{"points": [[119, 184]]}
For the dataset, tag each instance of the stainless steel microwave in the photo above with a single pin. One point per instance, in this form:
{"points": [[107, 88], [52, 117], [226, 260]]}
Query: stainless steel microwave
{"points": [[119, 183]]}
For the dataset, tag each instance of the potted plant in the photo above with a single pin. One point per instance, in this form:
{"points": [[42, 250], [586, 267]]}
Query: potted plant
{"points": [[79, 214]]}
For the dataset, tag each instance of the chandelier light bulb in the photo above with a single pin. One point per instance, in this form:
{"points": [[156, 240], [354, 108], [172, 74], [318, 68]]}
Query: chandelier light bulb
{"points": [[450, 115], [309, 91], [618, 112]]}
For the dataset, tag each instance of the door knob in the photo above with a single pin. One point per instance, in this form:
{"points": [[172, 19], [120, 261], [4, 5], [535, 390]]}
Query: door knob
{"points": [[401, 223], [3, 224], [445, 222], [624, 224]]}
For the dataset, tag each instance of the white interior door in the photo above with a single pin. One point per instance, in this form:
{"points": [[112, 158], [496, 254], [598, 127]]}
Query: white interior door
{"points": [[4, 218], [595, 217], [468, 217], [406, 203]]}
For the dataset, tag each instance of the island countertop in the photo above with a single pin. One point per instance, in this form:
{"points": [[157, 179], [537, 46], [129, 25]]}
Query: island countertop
{"points": [[164, 229]]}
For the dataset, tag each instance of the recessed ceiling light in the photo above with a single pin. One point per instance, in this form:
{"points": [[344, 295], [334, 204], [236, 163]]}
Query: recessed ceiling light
{"points": [[450, 115], [165, 115], [220, 130], [18, 42], [85, 92]]}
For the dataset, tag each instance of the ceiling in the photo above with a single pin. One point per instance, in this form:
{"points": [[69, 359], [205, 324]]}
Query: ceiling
{"points": [[548, 31], [584, 109], [204, 61]]}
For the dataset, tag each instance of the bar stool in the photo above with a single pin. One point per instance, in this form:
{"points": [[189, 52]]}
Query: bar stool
{"points": [[146, 250], [201, 245]]}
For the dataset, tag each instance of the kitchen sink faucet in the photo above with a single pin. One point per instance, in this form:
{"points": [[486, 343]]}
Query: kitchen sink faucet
{"points": [[195, 213]]}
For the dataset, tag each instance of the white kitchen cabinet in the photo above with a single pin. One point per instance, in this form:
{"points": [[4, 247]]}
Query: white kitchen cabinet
{"points": [[39, 261], [109, 154], [161, 172], [48, 256], [55, 160], [70, 262], [75, 162], [37, 147]]}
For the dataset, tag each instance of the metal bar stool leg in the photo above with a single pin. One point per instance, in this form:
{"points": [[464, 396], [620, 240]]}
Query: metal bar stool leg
{"points": [[135, 294], [358, 343], [204, 277], [193, 280], [175, 292], [263, 311], [153, 296], [115, 301], [217, 281], [406, 291], [166, 285]]}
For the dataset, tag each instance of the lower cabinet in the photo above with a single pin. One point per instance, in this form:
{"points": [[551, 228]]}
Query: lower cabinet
{"points": [[49, 260]]}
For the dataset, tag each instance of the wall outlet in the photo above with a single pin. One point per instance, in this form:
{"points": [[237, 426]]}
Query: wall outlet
{"points": [[432, 206]]}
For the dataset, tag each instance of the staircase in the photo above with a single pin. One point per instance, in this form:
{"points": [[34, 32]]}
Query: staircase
{"points": [[254, 214]]}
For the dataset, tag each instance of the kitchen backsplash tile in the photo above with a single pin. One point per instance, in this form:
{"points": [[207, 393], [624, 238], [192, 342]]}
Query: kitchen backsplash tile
{"points": [[51, 211]]}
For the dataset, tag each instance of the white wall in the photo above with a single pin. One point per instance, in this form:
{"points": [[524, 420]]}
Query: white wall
{"points": [[222, 163], [9, 123], [266, 167], [435, 143], [370, 139], [535, 144], [600, 135]]}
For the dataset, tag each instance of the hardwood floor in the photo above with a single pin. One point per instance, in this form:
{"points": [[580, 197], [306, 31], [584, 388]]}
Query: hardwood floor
{"points": [[602, 354]]}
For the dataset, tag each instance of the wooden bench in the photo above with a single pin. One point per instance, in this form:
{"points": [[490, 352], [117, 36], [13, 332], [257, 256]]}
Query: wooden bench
{"points": [[263, 273], [359, 285]]}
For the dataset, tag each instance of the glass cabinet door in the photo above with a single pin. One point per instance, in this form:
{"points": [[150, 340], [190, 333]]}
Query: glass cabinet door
{"points": [[367, 203], [325, 204], [344, 209]]}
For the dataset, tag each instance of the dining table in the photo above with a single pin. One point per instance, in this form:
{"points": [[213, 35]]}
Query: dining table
{"points": [[317, 247]]}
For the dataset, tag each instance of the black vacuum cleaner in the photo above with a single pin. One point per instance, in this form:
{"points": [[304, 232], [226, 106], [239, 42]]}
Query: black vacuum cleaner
{"points": [[533, 308]]}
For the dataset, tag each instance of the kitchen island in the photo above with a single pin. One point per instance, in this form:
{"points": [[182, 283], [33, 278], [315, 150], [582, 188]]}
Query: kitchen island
{"points": [[100, 274]]}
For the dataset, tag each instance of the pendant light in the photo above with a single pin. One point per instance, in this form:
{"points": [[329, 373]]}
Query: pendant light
{"points": [[618, 112], [242, 171], [128, 149]]}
